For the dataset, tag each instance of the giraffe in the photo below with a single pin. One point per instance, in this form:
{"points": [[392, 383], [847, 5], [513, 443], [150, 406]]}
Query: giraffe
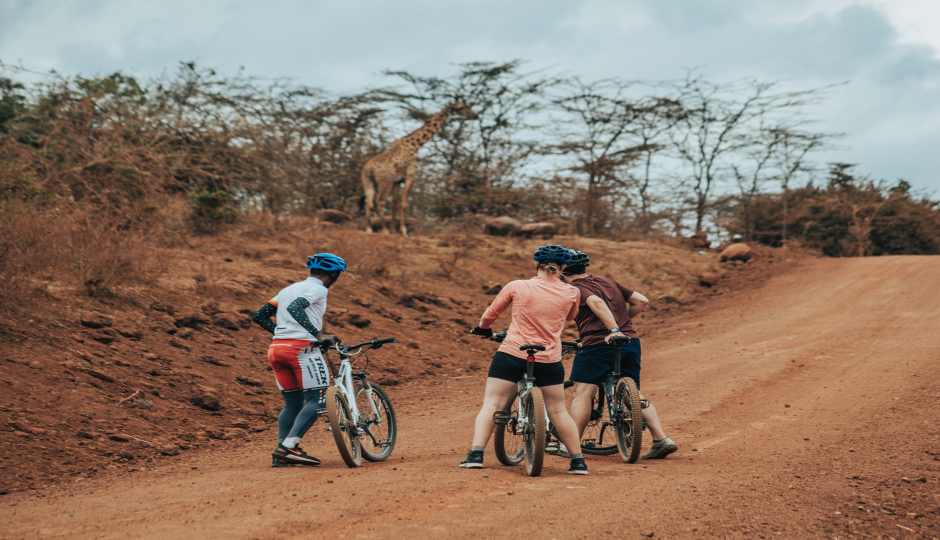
{"points": [[398, 165]]}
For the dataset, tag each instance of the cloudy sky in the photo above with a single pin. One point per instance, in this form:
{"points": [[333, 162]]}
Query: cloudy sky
{"points": [[888, 51]]}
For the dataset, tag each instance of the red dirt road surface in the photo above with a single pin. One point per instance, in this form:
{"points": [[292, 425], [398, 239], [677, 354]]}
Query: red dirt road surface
{"points": [[804, 408]]}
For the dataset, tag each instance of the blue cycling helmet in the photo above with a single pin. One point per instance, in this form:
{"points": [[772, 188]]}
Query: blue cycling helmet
{"points": [[579, 258], [326, 262], [552, 252], [579, 262]]}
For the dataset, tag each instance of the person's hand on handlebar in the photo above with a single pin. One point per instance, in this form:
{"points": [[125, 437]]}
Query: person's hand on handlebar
{"points": [[328, 337], [485, 332], [609, 336]]}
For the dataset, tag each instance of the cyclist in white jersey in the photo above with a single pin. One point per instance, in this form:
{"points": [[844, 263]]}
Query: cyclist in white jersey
{"points": [[301, 373]]}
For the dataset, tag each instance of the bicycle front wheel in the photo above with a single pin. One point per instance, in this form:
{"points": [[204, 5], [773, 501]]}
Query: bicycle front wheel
{"points": [[597, 439], [630, 424], [379, 430], [534, 434], [508, 440], [344, 431]]}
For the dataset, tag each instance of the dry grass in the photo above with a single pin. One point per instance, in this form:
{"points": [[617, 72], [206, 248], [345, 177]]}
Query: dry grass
{"points": [[101, 256]]}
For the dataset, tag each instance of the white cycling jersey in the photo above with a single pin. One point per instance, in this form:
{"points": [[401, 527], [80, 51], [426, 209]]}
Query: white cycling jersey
{"points": [[313, 290]]}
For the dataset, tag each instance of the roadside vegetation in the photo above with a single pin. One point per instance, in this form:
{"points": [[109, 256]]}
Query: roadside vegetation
{"points": [[103, 179]]}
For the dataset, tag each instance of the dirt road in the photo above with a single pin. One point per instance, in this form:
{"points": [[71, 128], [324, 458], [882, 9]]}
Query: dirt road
{"points": [[807, 407]]}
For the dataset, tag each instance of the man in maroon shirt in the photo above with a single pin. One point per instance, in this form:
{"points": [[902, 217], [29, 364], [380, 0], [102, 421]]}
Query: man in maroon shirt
{"points": [[607, 309]]}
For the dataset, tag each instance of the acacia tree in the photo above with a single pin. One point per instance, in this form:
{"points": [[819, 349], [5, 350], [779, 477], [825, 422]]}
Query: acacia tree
{"points": [[472, 164], [595, 140], [790, 158], [720, 121], [656, 118]]}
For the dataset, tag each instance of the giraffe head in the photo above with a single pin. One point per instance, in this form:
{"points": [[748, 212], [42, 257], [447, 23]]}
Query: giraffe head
{"points": [[458, 107]]}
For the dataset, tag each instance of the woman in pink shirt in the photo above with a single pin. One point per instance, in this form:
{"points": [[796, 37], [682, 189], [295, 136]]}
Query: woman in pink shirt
{"points": [[540, 308]]}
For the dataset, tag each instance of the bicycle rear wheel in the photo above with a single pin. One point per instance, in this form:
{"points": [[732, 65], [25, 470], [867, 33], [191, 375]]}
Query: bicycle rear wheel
{"points": [[344, 431], [534, 434], [508, 440], [380, 431], [597, 439], [630, 425]]}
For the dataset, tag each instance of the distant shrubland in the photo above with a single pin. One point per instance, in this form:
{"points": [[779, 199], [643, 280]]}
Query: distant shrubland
{"points": [[102, 177]]}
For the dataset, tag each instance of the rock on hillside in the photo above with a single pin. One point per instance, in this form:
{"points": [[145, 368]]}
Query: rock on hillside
{"points": [[736, 252], [542, 230], [332, 216], [501, 226]]}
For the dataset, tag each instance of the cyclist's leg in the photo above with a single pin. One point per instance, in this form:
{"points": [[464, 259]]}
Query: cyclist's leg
{"points": [[590, 368], [314, 377], [630, 366], [498, 392], [651, 417], [564, 425], [283, 359], [582, 403], [308, 415]]}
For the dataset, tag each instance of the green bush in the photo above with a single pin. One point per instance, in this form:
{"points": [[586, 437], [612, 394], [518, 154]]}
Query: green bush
{"points": [[212, 211]]}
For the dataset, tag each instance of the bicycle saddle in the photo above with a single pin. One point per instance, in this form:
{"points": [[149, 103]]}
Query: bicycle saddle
{"points": [[532, 348], [619, 339]]}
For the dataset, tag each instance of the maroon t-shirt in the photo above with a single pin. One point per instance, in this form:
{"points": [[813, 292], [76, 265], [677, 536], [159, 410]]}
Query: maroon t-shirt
{"points": [[591, 329]]}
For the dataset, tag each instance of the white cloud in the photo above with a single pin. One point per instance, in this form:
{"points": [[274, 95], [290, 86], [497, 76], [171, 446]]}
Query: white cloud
{"points": [[597, 14], [916, 22]]}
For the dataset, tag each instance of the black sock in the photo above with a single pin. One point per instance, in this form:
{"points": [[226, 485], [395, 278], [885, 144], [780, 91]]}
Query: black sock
{"points": [[660, 440]]}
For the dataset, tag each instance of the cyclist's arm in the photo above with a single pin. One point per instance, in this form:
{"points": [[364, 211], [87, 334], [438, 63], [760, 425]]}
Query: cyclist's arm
{"points": [[599, 307], [503, 299], [636, 303], [263, 317], [296, 310]]}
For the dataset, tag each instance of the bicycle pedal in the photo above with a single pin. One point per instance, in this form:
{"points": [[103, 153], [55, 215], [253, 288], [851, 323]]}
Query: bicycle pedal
{"points": [[501, 418]]}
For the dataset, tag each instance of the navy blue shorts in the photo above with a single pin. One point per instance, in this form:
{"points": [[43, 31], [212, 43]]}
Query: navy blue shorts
{"points": [[512, 368], [592, 364]]}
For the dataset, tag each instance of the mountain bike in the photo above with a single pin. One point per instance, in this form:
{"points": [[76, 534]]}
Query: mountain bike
{"points": [[522, 425], [623, 413], [359, 411]]}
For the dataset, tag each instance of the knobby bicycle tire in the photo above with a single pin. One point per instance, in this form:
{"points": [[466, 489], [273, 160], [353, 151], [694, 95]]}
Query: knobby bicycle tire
{"points": [[386, 435], [507, 441], [347, 441], [595, 428], [630, 428], [534, 435]]}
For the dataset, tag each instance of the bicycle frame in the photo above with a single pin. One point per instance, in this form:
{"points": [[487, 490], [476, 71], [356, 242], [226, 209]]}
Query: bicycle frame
{"points": [[343, 381]]}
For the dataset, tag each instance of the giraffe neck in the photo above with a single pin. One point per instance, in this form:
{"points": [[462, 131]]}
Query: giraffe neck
{"points": [[418, 137]]}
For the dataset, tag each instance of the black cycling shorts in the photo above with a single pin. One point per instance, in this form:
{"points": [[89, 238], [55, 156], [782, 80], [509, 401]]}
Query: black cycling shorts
{"points": [[592, 364], [512, 368]]}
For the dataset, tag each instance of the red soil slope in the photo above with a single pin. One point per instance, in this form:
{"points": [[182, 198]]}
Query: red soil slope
{"points": [[805, 406], [182, 369]]}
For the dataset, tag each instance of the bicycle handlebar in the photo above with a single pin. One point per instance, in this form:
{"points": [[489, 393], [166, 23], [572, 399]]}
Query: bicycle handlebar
{"points": [[374, 344]]}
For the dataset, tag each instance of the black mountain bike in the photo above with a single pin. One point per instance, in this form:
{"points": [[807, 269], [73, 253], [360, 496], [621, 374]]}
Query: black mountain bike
{"points": [[522, 425], [616, 422]]}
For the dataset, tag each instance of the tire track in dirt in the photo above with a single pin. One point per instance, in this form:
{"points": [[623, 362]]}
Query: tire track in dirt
{"points": [[800, 408]]}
